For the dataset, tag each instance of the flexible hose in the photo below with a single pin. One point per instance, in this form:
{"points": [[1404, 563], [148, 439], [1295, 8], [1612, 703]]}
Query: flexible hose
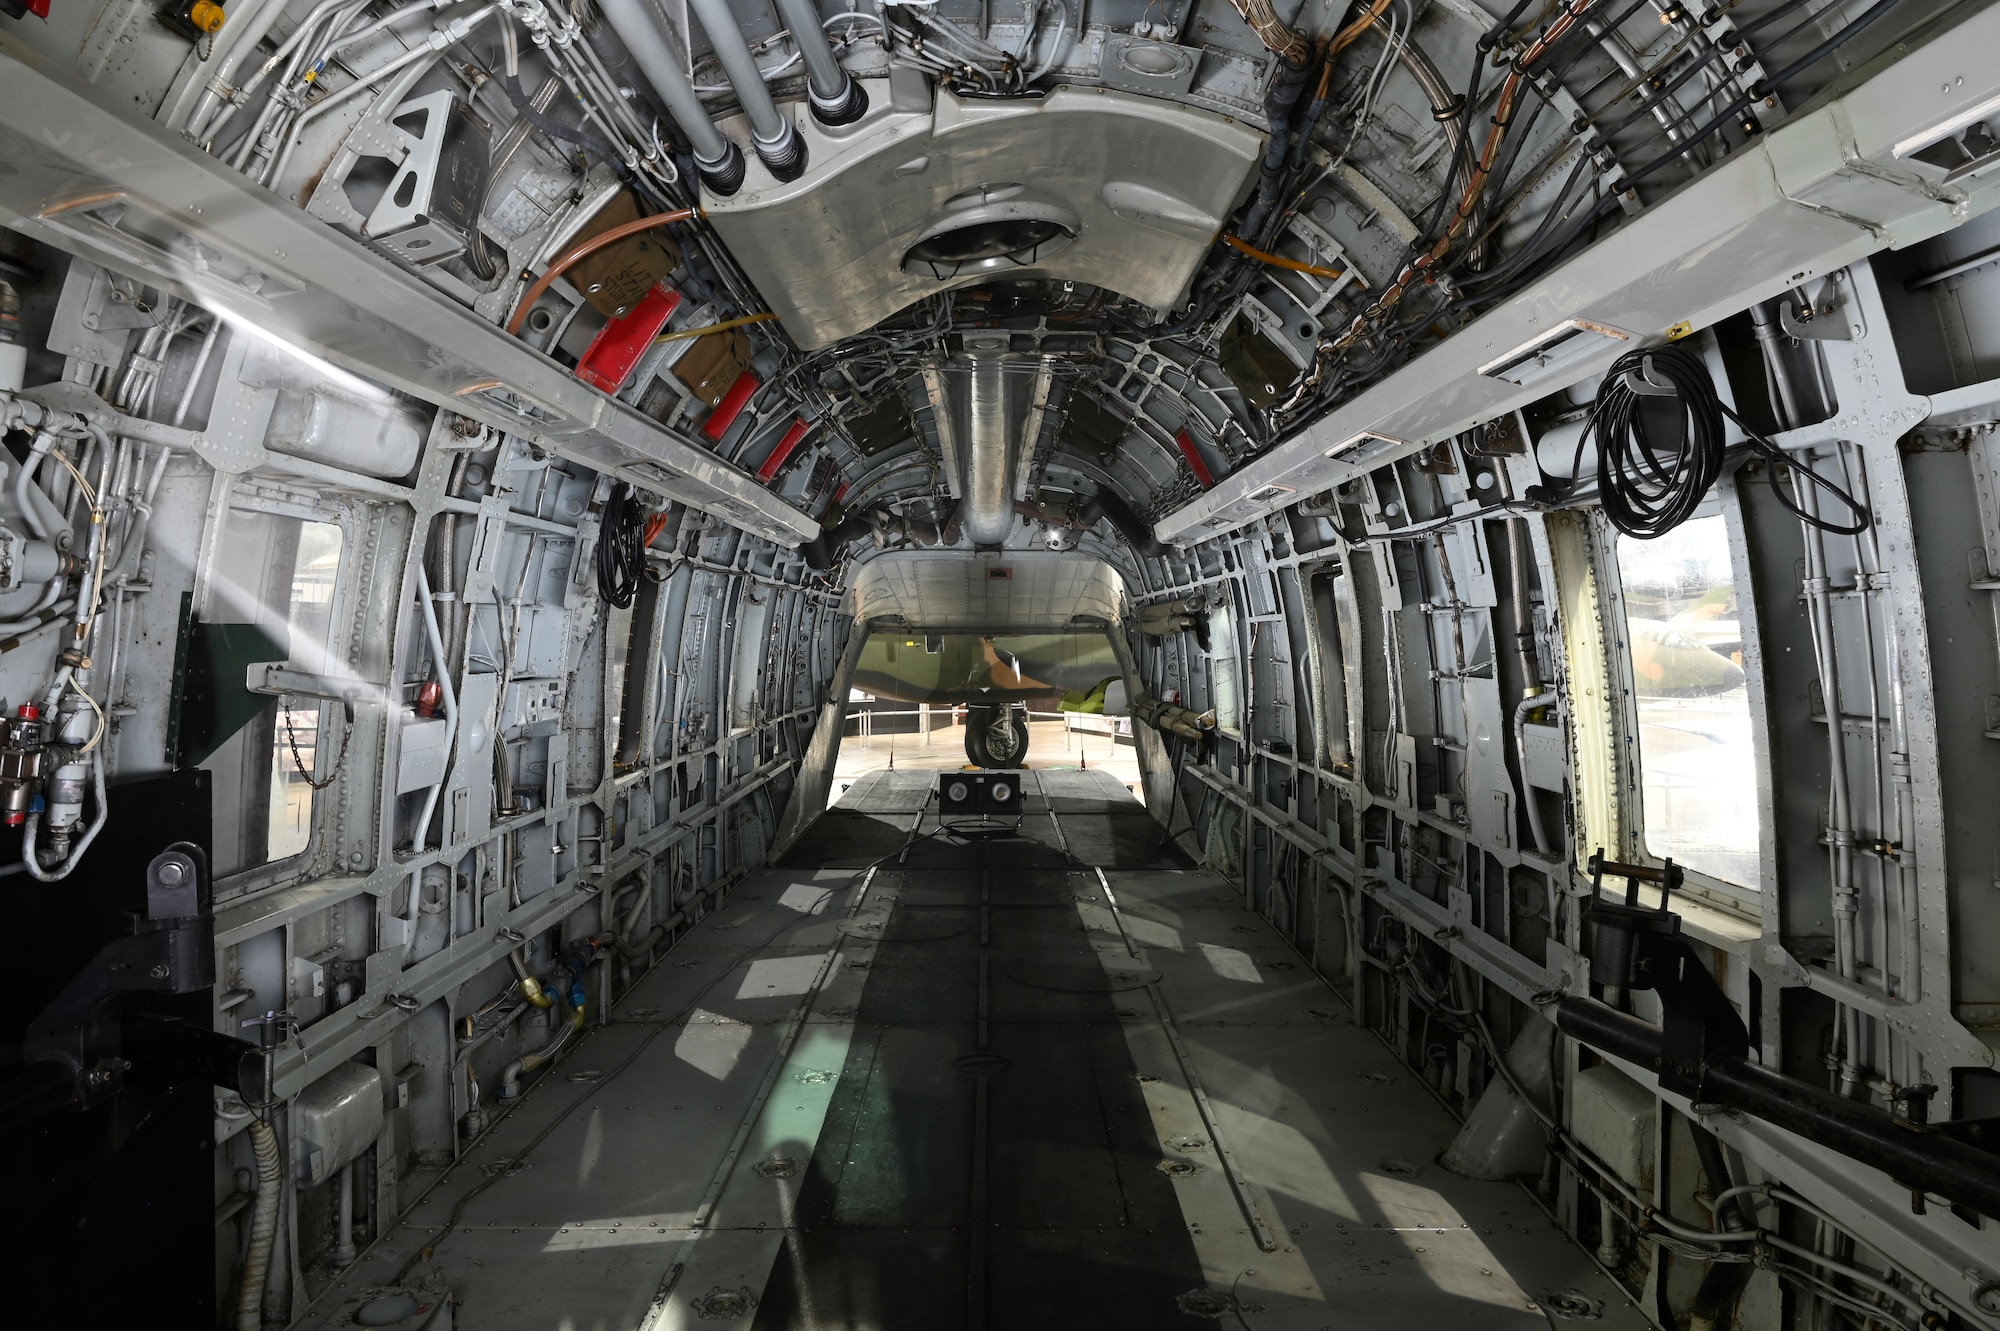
{"points": [[263, 1228], [1650, 485]]}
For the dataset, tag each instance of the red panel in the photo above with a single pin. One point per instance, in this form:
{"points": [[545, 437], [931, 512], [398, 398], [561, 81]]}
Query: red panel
{"points": [[1193, 457], [39, 8], [620, 343], [731, 406], [786, 447]]}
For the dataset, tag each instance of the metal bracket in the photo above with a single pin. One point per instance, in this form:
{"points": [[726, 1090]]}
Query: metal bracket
{"points": [[1643, 382], [1806, 324], [277, 679]]}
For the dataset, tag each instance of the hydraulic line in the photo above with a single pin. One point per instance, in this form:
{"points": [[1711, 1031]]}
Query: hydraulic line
{"points": [[1278, 261], [719, 161], [835, 97], [773, 135]]}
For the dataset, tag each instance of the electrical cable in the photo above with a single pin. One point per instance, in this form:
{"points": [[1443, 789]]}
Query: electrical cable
{"points": [[1649, 484], [621, 547], [1278, 261]]}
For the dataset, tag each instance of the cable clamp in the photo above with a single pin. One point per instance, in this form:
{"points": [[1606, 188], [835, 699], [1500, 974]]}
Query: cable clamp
{"points": [[1644, 383]]}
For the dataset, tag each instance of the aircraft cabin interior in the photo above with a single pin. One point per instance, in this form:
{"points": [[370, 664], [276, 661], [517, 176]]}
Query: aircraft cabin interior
{"points": [[1000, 665]]}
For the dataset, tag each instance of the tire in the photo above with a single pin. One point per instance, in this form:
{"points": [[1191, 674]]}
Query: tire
{"points": [[980, 746]]}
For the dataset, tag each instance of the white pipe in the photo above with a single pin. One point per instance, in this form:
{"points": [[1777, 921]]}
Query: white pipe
{"points": [[1840, 818], [988, 514], [24, 473], [239, 40], [343, 1245], [28, 856], [198, 130], [423, 829], [1057, 50], [1521, 710], [662, 68], [772, 134]]}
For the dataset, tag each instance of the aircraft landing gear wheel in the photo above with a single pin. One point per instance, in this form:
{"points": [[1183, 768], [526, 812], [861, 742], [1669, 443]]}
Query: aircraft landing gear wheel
{"points": [[996, 737]]}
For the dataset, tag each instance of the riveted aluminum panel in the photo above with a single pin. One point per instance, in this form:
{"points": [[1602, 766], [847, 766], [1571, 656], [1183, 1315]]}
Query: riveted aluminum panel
{"points": [[1146, 184]]}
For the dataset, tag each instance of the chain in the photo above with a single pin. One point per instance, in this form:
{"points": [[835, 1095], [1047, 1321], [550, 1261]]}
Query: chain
{"points": [[292, 739]]}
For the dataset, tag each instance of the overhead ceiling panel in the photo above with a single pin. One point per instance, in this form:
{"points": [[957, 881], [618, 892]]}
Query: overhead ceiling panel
{"points": [[957, 592]]}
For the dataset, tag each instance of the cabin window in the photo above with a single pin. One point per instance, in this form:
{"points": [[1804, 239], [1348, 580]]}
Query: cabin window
{"points": [[1697, 759], [263, 802]]}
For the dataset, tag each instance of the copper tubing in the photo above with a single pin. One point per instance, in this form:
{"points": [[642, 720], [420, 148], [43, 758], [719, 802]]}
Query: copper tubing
{"points": [[1279, 261], [584, 249]]}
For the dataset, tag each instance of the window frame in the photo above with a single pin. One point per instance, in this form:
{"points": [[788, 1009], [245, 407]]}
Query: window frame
{"points": [[1744, 899], [350, 519]]}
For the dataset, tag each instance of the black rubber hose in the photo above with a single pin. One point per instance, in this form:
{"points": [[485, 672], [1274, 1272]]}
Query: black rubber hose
{"points": [[1111, 506], [1940, 1165], [822, 550], [579, 135], [1280, 101]]}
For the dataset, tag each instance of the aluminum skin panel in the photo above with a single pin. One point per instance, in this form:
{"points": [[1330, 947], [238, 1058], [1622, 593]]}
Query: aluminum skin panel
{"points": [[1146, 183], [203, 232]]}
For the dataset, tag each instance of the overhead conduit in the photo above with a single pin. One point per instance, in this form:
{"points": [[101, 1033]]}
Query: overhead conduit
{"points": [[719, 162]]}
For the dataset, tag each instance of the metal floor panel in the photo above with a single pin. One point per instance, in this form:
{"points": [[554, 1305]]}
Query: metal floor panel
{"points": [[962, 1098]]}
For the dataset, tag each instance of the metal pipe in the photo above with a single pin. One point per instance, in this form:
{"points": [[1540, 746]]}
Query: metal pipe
{"points": [[988, 514], [1521, 710], [1840, 816], [836, 98], [1775, 368], [343, 1244], [719, 161], [1524, 610], [773, 135], [445, 34], [291, 49], [1936, 1163], [238, 41]]}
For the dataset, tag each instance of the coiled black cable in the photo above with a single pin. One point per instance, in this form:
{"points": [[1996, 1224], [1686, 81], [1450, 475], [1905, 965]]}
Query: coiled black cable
{"points": [[621, 547], [1649, 485]]}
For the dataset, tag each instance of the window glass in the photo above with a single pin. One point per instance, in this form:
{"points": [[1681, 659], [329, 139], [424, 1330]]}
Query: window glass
{"points": [[309, 619], [1697, 764], [281, 576], [1043, 669]]}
